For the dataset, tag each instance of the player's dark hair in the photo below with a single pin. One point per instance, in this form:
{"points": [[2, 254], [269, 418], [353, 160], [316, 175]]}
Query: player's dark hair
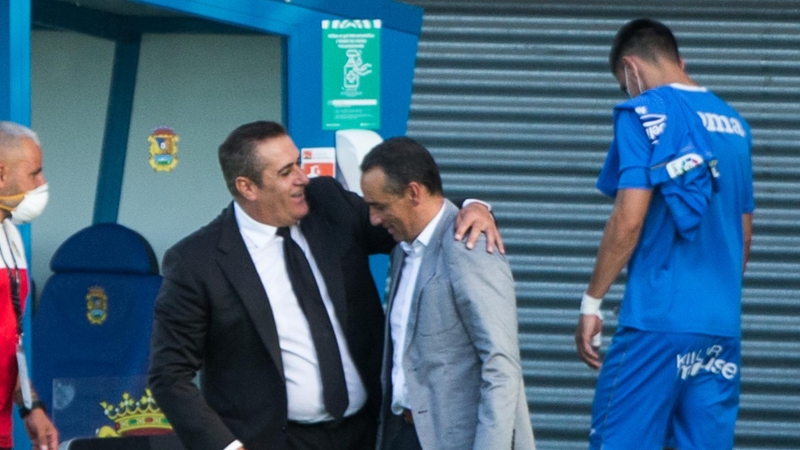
{"points": [[645, 38]]}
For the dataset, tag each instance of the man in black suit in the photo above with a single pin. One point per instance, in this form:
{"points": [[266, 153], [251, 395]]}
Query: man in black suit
{"points": [[229, 306]]}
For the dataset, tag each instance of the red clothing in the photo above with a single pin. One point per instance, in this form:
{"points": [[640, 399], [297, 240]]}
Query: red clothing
{"points": [[14, 258]]}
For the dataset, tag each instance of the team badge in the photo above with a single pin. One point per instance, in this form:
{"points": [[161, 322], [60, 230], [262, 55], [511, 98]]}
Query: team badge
{"points": [[96, 305], [163, 149]]}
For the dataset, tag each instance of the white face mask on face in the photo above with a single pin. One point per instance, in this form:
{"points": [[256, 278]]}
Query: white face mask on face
{"points": [[627, 83], [31, 206]]}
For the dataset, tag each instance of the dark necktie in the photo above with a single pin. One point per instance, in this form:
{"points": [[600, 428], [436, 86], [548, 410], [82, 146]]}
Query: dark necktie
{"points": [[304, 285]]}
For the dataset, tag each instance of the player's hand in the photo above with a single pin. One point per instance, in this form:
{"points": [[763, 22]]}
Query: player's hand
{"points": [[41, 430], [476, 218], [589, 325]]}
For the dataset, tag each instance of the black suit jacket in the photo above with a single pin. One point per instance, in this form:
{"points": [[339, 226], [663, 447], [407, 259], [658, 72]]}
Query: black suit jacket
{"points": [[212, 314]]}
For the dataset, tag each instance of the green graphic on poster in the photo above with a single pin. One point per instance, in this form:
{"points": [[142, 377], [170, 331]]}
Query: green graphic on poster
{"points": [[351, 74]]}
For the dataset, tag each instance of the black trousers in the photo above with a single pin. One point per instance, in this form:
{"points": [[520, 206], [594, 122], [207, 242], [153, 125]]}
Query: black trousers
{"points": [[356, 432]]}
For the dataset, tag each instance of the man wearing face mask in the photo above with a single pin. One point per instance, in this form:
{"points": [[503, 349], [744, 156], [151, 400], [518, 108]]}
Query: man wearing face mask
{"points": [[23, 196], [680, 172]]}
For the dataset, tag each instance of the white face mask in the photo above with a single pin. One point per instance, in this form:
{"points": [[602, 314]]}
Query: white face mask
{"points": [[31, 206], [627, 82]]}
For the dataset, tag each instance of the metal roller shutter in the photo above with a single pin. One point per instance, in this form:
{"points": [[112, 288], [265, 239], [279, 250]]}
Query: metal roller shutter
{"points": [[514, 99]]}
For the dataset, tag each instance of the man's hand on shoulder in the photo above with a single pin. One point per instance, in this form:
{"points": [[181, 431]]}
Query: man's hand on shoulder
{"points": [[43, 434], [476, 218]]}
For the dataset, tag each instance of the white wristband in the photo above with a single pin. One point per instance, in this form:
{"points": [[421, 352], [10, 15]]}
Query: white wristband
{"points": [[591, 305]]}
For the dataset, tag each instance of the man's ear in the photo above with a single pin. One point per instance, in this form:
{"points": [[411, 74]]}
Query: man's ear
{"points": [[246, 188], [414, 191], [632, 64]]}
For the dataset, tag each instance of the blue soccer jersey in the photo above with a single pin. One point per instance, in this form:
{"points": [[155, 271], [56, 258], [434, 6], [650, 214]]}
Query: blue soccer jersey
{"points": [[676, 283]]}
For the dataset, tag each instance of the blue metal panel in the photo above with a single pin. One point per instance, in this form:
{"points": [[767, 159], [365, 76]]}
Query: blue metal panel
{"points": [[395, 15], [268, 16], [5, 61], [15, 61], [398, 54], [66, 16], [115, 140]]}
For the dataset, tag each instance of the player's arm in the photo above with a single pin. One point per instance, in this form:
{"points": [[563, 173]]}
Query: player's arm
{"points": [[747, 228], [620, 237]]}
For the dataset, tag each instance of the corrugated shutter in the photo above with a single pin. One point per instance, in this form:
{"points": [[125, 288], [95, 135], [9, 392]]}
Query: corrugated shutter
{"points": [[514, 99]]}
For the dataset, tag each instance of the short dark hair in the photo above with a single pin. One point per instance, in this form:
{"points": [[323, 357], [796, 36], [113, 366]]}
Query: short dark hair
{"points": [[404, 160], [645, 38], [238, 157]]}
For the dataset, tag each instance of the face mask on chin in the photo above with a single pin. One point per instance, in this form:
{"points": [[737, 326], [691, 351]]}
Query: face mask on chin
{"points": [[627, 83], [32, 205]]}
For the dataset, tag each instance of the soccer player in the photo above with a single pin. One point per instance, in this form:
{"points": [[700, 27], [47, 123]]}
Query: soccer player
{"points": [[679, 169]]}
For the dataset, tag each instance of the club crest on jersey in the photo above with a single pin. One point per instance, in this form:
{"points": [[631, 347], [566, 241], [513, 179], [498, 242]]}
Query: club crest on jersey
{"points": [[163, 149], [96, 305]]}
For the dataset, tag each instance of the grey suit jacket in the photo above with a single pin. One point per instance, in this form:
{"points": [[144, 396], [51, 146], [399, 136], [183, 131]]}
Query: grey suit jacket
{"points": [[461, 361]]}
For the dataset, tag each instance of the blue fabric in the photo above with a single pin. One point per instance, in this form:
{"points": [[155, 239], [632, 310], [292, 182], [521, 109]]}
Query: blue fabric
{"points": [[688, 194], [645, 401], [105, 247], [93, 325], [676, 284]]}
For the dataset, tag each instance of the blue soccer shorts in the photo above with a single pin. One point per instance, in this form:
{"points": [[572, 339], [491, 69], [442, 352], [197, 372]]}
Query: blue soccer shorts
{"points": [[657, 390]]}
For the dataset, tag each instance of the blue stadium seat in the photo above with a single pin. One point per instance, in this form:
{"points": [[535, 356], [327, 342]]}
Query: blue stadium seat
{"points": [[91, 329]]}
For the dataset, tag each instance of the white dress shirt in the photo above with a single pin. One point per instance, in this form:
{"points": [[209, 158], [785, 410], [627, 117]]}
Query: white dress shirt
{"points": [[300, 364], [401, 307]]}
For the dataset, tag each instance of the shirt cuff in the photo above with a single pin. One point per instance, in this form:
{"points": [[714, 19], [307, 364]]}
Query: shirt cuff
{"points": [[475, 200], [235, 445]]}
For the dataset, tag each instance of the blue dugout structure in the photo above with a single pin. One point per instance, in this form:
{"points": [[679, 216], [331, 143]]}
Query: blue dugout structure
{"points": [[297, 21]]}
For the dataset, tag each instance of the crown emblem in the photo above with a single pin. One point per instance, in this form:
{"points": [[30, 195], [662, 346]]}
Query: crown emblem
{"points": [[134, 418]]}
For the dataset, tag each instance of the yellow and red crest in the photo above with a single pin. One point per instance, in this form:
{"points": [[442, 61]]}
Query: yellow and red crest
{"points": [[96, 305], [163, 149]]}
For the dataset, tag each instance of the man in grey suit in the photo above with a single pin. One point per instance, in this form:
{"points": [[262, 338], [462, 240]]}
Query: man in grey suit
{"points": [[451, 374]]}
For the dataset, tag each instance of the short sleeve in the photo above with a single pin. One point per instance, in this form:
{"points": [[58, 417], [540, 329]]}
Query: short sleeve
{"points": [[628, 159]]}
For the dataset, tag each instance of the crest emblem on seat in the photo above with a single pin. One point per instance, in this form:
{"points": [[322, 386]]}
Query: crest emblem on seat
{"points": [[96, 305]]}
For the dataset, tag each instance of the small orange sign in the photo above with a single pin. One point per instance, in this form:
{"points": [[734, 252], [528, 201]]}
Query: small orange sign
{"points": [[319, 162]]}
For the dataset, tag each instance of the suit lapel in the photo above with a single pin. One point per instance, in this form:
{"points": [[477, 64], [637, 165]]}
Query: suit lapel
{"points": [[322, 244], [427, 268], [238, 267]]}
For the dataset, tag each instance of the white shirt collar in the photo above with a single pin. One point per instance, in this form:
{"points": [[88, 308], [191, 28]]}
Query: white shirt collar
{"points": [[425, 236], [686, 87], [256, 232]]}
